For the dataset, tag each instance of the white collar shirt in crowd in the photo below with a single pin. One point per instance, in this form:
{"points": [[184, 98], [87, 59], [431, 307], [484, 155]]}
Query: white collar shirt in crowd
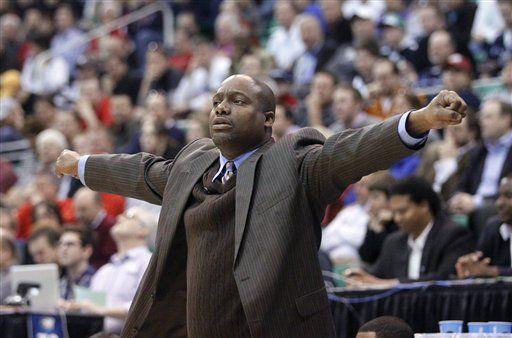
{"points": [[44, 76], [119, 280], [342, 238], [416, 246], [493, 165], [506, 234], [286, 45]]}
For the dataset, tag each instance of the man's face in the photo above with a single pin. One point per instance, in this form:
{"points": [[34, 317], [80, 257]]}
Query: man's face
{"points": [[393, 36], [236, 120], [493, 123], [440, 48], [157, 107], [344, 105], [504, 201], [284, 13], [70, 250], [363, 29], [429, 20], [456, 80], [377, 201], [311, 32], [128, 226], [364, 62], [64, 18], [41, 251], [385, 77], [86, 209], [121, 108], [406, 213], [323, 86]]}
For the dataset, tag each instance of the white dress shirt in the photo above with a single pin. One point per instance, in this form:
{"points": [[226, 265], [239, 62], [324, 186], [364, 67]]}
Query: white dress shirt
{"points": [[506, 233], [417, 245], [120, 279], [285, 45]]}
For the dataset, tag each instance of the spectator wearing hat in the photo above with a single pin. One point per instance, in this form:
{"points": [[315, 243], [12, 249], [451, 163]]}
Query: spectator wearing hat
{"points": [[494, 255], [395, 45], [457, 76], [285, 42]]}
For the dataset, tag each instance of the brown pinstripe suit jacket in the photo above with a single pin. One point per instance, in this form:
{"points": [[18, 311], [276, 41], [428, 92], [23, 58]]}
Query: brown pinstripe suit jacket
{"points": [[281, 193]]}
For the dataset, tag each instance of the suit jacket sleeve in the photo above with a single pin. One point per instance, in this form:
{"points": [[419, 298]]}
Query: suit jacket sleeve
{"points": [[346, 157], [142, 176]]}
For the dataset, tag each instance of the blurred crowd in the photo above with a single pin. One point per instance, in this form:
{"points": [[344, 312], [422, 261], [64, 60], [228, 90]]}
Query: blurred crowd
{"points": [[333, 65]]}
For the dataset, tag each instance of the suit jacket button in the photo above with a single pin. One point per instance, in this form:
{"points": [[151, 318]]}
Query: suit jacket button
{"points": [[134, 330], [152, 297]]}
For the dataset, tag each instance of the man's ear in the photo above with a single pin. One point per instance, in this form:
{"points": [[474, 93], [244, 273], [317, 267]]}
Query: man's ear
{"points": [[270, 117]]}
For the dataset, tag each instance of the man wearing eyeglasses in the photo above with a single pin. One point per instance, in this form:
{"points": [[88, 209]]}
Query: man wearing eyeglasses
{"points": [[239, 230], [73, 252], [120, 278]]}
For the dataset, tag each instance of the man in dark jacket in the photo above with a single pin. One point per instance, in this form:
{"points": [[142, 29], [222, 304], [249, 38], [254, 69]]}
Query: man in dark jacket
{"points": [[427, 246], [495, 249]]}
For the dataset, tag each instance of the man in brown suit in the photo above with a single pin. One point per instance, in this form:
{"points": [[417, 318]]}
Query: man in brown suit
{"points": [[236, 251]]}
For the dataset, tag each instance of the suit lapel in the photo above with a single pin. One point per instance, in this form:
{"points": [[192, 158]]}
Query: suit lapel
{"points": [[244, 187], [181, 185], [428, 249]]}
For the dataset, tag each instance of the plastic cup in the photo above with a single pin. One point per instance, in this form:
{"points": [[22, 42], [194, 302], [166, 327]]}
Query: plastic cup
{"points": [[450, 326], [500, 327], [478, 327]]}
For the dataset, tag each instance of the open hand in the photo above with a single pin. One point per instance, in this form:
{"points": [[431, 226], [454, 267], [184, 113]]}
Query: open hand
{"points": [[67, 163]]}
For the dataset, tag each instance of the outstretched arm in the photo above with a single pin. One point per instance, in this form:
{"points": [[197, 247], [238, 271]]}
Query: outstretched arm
{"points": [[141, 176], [346, 157]]}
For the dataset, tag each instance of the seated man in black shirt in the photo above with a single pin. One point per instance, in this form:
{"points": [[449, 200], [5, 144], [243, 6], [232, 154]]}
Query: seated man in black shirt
{"points": [[425, 248], [495, 248]]}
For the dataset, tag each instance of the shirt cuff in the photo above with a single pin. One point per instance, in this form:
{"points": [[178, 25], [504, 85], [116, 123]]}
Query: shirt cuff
{"points": [[81, 168], [405, 136]]}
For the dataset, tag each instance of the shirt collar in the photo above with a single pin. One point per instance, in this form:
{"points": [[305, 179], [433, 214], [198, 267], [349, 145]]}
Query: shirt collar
{"points": [[419, 242], [238, 162], [504, 141], [132, 253], [505, 231]]}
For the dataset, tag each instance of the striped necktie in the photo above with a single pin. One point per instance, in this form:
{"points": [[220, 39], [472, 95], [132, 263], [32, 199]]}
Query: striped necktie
{"points": [[229, 171]]}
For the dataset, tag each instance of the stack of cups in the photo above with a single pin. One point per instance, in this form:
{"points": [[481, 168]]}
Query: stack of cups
{"points": [[456, 326]]}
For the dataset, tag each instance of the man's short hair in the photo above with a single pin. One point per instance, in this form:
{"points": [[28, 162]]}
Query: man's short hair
{"points": [[383, 185], [85, 235], [356, 94], [51, 234], [388, 327], [266, 96], [418, 190]]}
